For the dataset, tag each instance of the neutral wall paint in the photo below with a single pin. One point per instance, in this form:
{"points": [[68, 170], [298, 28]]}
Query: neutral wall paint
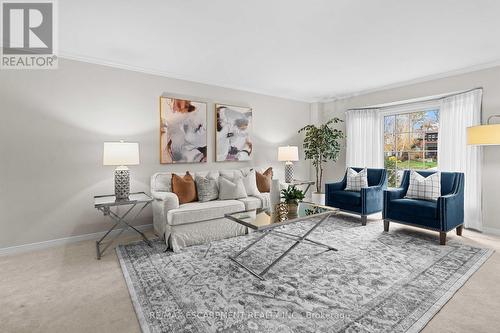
{"points": [[54, 122], [489, 79]]}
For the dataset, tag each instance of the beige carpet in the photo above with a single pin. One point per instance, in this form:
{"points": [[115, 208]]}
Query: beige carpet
{"points": [[65, 289]]}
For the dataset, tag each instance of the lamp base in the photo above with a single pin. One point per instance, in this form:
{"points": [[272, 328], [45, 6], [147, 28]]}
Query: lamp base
{"points": [[288, 172], [122, 183]]}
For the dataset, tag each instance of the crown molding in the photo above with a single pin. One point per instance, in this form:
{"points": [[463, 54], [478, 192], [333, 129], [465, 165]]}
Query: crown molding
{"points": [[465, 70], [150, 71]]}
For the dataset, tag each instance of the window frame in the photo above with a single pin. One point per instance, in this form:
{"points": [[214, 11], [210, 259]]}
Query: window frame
{"points": [[406, 109]]}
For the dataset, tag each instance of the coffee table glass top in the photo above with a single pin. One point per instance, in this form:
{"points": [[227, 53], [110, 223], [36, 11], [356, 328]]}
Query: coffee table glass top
{"points": [[259, 219]]}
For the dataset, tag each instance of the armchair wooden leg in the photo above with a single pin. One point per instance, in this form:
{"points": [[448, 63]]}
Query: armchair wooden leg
{"points": [[363, 219], [459, 230], [442, 238], [386, 225]]}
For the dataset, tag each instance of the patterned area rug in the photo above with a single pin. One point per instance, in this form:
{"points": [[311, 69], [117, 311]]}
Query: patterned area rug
{"points": [[376, 282]]}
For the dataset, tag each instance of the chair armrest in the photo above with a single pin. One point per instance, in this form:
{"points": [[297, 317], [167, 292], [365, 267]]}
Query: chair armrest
{"points": [[451, 210], [371, 199], [393, 194], [340, 186]]}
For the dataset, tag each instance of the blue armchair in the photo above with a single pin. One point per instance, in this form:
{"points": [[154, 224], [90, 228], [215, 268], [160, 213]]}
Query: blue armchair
{"points": [[368, 201], [443, 215]]}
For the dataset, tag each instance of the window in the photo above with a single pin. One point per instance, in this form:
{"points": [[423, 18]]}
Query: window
{"points": [[410, 142]]}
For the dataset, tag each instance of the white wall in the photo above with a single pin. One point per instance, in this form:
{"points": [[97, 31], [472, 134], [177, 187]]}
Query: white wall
{"points": [[53, 124], [489, 79]]}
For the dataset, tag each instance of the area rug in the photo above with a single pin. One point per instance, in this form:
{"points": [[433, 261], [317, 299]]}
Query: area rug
{"points": [[376, 282]]}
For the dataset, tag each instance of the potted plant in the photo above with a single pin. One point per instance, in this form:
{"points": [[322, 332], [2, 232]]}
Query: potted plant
{"points": [[292, 196], [321, 144]]}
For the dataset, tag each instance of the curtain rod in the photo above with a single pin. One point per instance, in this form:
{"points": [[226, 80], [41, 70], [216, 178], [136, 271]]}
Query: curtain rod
{"points": [[420, 101]]}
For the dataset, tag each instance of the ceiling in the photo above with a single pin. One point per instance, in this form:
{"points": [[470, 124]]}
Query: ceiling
{"points": [[305, 50]]}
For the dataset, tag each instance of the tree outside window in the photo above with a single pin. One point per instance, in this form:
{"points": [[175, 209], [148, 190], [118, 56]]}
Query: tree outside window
{"points": [[410, 142]]}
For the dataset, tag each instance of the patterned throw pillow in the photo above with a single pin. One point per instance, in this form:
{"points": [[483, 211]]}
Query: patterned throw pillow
{"points": [[207, 188], [356, 180], [425, 188], [231, 189]]}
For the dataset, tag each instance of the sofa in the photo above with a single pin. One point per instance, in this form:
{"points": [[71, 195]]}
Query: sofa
{"points": [[366, 202], [194, 223], [441, 215]]}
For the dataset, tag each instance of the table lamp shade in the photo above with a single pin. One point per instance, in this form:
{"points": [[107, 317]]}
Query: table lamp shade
{"points": [[484, 135], [288, 153], [121, 153]]}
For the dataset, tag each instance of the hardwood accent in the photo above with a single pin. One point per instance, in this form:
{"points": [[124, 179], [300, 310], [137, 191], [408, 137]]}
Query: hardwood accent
{"points": [[363, 219], [459, 230], [386, 225], [442, 238]]}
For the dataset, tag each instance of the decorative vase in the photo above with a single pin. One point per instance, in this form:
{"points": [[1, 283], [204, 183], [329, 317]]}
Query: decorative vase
{"points": [[281, 211], [292, 211], [318, 198]]}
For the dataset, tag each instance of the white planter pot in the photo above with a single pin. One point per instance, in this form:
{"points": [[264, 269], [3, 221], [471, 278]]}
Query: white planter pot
{"points": [[318, 198]]}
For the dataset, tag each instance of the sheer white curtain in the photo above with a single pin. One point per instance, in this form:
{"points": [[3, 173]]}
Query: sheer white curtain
{"points": [[456, 114], [364, 146]]}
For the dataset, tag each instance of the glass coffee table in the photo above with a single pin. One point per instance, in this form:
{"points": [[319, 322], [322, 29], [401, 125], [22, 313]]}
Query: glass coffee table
{"points": [[265, 222]]}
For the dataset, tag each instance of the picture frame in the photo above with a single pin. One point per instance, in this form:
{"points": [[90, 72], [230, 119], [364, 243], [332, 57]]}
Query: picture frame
{"points": [[233, 133], [183, 130]]}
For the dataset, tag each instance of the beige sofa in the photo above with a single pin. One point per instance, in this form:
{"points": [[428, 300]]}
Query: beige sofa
{"points": [[197, 222]]}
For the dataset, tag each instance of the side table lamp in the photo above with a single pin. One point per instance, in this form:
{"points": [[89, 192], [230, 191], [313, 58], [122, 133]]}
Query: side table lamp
{"points": [[288, 154], [121, 154]]}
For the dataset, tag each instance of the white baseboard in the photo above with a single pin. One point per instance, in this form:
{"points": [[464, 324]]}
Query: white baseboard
{"points": [[65, 241], [492, 231]]}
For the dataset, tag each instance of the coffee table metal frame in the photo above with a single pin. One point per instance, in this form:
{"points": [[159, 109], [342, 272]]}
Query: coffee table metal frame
{"points": [[271, 229]]}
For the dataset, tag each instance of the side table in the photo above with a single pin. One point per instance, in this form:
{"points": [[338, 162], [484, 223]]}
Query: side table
{"points": [[104, 203], [297, 182]]}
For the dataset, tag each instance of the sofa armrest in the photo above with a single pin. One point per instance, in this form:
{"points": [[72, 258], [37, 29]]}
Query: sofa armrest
{"points": [[162, 203], [169, 198]]}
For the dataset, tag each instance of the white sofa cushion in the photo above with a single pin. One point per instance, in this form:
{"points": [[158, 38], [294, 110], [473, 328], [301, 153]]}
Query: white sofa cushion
{"points": [[161, 182], [251, 203], [231, 188], [200, 211], [250, 182]]}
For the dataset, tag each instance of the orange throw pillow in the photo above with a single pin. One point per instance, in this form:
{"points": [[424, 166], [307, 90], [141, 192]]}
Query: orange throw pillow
{"points": [[184, 187], [264, 180]]}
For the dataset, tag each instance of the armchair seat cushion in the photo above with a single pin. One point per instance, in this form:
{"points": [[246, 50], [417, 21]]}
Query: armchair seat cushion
{"points": [[347, 197], [416, 208]]}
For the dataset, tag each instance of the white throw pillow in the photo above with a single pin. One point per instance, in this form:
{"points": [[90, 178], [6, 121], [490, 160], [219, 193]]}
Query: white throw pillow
{"points": [[231, 189], [356, 180], [250, 182], [425, 188]]}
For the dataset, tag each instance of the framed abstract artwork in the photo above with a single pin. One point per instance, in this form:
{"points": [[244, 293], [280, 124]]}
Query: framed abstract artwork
{"points": [[183, 131], [233, 133]]}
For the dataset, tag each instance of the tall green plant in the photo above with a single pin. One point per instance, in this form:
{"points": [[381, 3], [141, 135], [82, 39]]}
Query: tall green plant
{"points": [[322, 144]]}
